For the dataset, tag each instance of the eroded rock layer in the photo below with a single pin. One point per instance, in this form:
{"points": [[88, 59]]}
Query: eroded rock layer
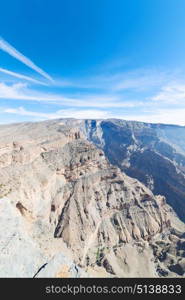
{"points": [[82, 215]]}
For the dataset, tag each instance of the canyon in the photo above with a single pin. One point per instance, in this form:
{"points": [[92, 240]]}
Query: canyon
{"points": [[92, 198]]}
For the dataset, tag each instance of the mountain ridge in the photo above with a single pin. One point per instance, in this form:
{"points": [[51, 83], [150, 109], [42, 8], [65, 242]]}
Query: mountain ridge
{"points": [[58, 177]]}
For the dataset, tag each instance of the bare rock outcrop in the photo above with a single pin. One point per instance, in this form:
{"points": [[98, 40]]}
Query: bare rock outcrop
{"points": [[75, 213]]}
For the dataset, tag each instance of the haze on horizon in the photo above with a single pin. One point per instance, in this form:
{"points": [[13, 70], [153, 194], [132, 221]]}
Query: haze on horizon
{"points": [[92, 59]]}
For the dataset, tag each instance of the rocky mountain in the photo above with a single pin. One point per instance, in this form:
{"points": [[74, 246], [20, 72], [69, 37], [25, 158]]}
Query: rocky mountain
{"points": [[152, 153], [71, 203]]}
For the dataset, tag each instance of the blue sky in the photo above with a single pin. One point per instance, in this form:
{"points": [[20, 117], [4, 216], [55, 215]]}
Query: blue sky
{"points": [[92, 59]]}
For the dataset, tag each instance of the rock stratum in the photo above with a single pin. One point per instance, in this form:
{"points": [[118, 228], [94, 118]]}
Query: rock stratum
{"points": [[83, 198]]}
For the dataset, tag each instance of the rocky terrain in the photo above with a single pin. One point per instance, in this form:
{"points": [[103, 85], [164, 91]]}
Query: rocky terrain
{"points": [[152, 153], [92, 198]]}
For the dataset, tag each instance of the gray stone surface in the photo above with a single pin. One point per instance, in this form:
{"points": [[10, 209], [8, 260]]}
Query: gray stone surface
{"points": [[67, 212]]}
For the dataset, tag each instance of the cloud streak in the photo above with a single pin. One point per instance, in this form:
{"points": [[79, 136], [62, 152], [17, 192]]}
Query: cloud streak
{"points": [[162, 116], [169, 116], [138, 80], [66, 113], [174, 93], [6, 47], [20, 76], [20, 91]]}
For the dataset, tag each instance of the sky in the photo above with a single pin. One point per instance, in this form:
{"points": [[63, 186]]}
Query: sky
{"points": [[92, 59]]}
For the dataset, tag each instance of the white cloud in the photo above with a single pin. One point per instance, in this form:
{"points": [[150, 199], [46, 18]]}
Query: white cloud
{"points": [[165, 116], [20, 91], [171, 93], [6, 47], [162, 116], [11, 92], [141, 79], [18, 75], [67, 113], [138, 80]]}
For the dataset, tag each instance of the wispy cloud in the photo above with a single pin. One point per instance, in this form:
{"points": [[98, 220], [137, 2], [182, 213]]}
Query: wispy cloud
{"points": [[20, 91], [171, 93], [11, 92], [135, 80], [20, 76], [147, 95], [169, 116], [66, 113], [6, 47], [163, 116]]}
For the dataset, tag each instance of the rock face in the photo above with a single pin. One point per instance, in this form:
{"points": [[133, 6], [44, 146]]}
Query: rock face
{"points": [[152, 153], [73, 213], [22, 256]]}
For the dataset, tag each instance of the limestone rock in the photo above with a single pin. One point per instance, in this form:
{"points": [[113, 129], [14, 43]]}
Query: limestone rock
{"points": [[66, 211]]}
